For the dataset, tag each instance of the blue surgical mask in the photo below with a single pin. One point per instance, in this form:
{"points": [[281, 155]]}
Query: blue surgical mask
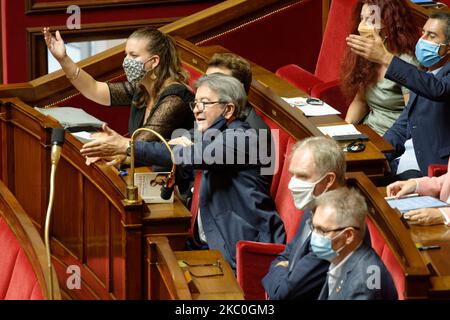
{"points": [[427, 53], [322, 246]]}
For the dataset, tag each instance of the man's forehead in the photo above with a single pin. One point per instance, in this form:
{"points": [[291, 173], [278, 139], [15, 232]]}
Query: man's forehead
{"points": [[435, 25], [302, 160]]}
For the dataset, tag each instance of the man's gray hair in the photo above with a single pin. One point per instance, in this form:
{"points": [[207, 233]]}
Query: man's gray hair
{"points": [[228, 89], [444, 17], [328, 156], [349, 204]]}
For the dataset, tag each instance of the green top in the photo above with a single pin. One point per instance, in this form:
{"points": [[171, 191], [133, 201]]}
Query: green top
{"points": [[386, 102]]}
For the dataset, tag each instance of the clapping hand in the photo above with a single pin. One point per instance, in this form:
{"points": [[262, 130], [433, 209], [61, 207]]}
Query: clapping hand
{"points": [[370, 49]]}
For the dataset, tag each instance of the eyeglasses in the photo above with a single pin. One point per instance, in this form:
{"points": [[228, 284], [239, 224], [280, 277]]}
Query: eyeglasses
{"points": [[201, 105], [184, 264], [323, 232]]}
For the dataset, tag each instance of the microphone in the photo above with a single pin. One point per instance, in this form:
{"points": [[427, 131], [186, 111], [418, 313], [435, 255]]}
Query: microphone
{"points": [[57, 140], [167, 188]]}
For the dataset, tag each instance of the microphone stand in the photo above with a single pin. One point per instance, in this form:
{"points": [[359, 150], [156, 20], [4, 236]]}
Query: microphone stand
{"points": [[57, 140], [132, 190]]}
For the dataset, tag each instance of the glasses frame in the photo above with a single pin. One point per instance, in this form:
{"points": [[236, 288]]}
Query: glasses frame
{"points": [[325, 232], [216, 264], [204, 104]]}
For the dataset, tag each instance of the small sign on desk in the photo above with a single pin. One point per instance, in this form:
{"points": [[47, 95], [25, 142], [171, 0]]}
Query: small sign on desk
{"points": [[149, 185]]}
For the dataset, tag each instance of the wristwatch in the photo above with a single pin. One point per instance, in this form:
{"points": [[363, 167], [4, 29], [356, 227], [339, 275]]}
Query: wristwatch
{"points": [[129, 149]]}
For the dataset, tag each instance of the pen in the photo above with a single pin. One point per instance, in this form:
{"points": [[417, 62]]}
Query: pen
{"points": [[405, 196], [428, 248]]}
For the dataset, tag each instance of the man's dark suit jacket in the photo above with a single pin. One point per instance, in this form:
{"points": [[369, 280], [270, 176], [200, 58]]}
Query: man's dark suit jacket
{"points": [[234, 201], [357, 280], [305, 276], [426, 118]]}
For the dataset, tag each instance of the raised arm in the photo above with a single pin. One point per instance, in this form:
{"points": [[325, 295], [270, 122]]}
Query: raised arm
{"points": [[88, 86]]}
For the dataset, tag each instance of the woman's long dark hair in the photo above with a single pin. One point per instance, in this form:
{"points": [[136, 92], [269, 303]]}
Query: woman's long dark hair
{"points": [[396, 17], [169, 66]]}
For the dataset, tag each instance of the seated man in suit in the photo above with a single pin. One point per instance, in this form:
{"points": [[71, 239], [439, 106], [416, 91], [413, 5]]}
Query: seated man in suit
{"points": [[438, 187], [317, 166], [234, 202], [421, 135], [356, 272]]}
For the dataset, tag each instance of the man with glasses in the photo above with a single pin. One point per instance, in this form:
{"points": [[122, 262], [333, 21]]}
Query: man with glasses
{"points": [[317, 165], [355, 272], [234, 202]]}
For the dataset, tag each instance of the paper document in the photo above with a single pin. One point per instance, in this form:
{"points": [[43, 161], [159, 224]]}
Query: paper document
{"points": [[311, 110], [339, 130], [413, 203], [149, 185], [83, 136]]}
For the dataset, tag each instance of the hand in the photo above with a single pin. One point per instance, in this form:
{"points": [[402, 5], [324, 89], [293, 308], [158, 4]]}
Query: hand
{"points": [[55, 45], [425, 217], [370, 49], [185, 142], [107, 145], [111, 161], [401, 188]]}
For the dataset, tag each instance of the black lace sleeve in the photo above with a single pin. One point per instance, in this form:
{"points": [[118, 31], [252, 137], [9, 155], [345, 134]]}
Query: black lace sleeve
{"points": [[121, 93], [170, 114]]}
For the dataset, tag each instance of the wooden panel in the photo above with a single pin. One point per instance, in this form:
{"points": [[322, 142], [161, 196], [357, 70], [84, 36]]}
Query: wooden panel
{"points": [[117, 255], [28, 179], [40, 6], [96, 233], [67, 218]]}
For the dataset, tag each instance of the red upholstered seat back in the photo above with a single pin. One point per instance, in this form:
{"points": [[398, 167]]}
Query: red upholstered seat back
{"points": [[280, 150], [333, 43], [194, 74], [253, 260], [290, 215], [17, 278], [385, 253]]}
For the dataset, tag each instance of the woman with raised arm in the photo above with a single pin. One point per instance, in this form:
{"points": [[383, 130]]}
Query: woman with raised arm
{"points": [[377, 101], [155, 89]]}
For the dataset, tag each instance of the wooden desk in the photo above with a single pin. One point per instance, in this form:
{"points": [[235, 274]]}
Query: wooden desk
{"points": [[216, 287], [93, 227], [437, 260], [168, 281]]}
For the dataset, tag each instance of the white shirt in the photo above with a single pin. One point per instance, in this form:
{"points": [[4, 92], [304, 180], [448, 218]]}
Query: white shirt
{"points": [[408, 160], [334, 271], [201, 232]]}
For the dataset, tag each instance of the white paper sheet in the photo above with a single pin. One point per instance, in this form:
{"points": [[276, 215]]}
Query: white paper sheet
{"points": [[311, 110], [339, 130]]}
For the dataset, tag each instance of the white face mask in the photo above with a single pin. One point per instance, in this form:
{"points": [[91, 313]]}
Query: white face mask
{"points": [[302, 192]]}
